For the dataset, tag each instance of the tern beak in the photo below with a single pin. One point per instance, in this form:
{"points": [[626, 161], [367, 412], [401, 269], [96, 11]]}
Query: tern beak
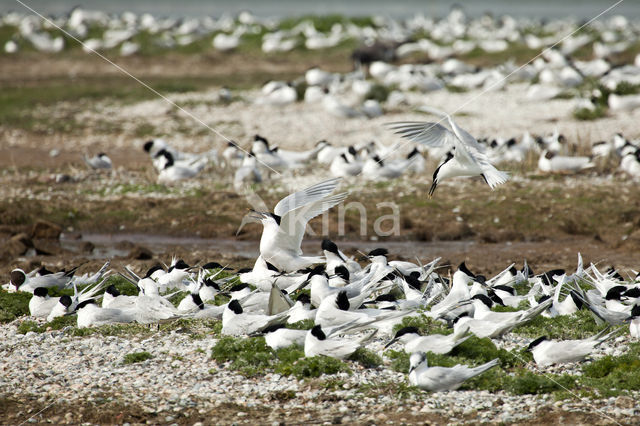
{"points": [[391, 342], [251, 217]]}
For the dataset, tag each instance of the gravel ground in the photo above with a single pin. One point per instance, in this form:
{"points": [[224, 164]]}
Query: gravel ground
{"points": [[182, 384]]}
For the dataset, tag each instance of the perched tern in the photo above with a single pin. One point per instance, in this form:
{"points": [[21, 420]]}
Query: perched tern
{"points": [[437, 379]]}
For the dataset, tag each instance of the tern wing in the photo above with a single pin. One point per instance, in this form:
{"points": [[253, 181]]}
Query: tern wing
{"points": [[294, 222], [426, 133], [459, 132], [306, 196]]}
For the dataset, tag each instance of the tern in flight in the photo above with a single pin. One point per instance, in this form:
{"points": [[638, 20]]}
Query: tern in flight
{"points": [[466, 157], [284, 228]]}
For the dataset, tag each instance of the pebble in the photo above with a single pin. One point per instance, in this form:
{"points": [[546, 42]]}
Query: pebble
{"points": [[93, 369]]}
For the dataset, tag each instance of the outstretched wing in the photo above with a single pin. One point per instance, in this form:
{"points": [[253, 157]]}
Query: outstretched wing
{"points": [[294, 222], [426, 133], [306, 196]]}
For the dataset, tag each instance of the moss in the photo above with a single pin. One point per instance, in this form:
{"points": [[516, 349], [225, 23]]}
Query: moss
{"points": [[56, 324], [252, 357], [13, 305], [424, 324], [314, 367], [577, 326], [136, 357], [302, 325], [248, 356], [526, 382], [586, 114], [378, 92], [366, 358]]}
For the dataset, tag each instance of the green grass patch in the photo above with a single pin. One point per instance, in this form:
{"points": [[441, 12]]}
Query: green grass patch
{"points": [[55, 324], [424, 324], [586, 114], [252, 357], [366, 358], [136, 357], [577, 326], [13, 305]]}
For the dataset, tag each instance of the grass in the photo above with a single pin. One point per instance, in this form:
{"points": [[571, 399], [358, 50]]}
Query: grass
{"points": [[577, 326], [252, 357], [13, 305], [55, 324], [136, 357]]}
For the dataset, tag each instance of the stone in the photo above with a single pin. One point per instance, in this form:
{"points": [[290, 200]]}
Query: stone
{"points": [[16, 246], [624, 402], [140, 253], [45, 230]]}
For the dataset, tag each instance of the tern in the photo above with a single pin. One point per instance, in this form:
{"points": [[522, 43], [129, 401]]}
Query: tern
{"points": [[437, 343], [322, 342], [89, 314], [236, 322], [284, 228], [100, 161], [547, 352], [467, 158], [437, 379], [41, 305]]}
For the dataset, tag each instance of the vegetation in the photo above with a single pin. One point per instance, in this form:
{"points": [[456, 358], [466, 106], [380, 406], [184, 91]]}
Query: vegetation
{"points": [[13, 305], [136, 357], [252, 357]]}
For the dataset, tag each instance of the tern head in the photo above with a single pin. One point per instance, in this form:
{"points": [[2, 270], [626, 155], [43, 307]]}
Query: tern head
{"points": [[210, 283], [463, 268], [153, 270], [304, 299], [416, 360], [41, 292], [342, 301], [413, 281], [234, 305], [44, 271], [331, 247], [436, 174], [17, 278], [342, 272], [65, 301], [404, 334], [317, 332], [482, 299], [84, 304], [113, 291], [148, 145], [378, 252], [635, 311], [264, 218], [536, 343], [214, 265], [317, 270], [197, 300], [180, 264], [615, 293]]}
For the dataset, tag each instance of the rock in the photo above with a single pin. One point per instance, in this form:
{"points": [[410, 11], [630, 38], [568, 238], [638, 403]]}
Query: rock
{"points": [[16, 246], [46, 247], [624, 402], [87, 247], [140, 253], [45, 230]]}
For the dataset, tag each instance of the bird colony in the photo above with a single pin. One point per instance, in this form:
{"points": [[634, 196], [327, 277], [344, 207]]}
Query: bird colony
{"points": [[333, 305], [419, 318]]}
